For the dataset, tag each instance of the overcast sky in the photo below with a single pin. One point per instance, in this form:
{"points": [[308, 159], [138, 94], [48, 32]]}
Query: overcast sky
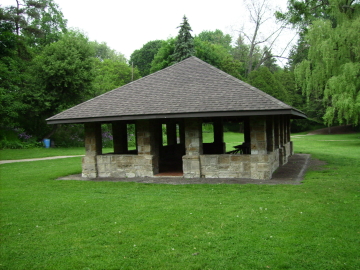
{"points": [[127, 25]]}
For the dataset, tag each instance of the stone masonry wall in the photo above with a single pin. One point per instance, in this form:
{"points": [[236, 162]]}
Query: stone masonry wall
{"points": [[262, 166], [212, 166], [239, 166], [285, 152], [225, 166], [125, 165]]}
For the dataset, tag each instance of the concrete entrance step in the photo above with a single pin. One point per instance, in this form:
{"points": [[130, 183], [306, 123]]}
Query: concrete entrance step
{"points": [[170, 174]]}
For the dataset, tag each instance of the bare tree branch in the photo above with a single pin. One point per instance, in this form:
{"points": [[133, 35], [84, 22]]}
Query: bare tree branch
{"points": [[260, 15]]}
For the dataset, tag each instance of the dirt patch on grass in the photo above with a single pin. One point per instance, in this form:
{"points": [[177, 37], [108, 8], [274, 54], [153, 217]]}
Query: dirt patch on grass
{"points": [[316, 165], [347, 129]]}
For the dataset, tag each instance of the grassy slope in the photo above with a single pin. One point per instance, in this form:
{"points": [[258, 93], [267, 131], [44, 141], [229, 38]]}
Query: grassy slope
{"points": [[49, 224]]}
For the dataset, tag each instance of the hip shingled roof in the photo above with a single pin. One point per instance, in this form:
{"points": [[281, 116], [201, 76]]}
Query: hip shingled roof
{"points": [[187, 89]]}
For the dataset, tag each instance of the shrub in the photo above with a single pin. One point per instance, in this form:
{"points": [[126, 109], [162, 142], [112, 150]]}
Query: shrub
{"points": [[17, 138], [69, 136]]}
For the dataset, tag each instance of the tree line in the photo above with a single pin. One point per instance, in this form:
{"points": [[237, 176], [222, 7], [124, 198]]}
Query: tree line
{"points": [[46, 68]]}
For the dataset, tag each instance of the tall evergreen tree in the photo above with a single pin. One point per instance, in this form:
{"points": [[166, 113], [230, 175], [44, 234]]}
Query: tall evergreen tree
{"points": [[184, 45]]}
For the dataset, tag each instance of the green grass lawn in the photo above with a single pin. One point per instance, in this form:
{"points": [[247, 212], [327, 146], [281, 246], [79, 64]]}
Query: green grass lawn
{"points": [[231, 139], [49, 224]]}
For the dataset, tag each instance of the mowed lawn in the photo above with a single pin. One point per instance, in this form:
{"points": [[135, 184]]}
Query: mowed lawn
{"points": [[50, 224]]}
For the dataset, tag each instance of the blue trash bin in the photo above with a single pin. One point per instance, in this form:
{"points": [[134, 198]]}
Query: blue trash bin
{"points": [[47, 143]]}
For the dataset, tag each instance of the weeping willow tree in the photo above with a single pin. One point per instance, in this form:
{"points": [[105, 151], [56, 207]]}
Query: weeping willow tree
{"points": [[331, 71]]}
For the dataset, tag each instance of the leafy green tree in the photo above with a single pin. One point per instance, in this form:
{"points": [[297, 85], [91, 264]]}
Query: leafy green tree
{"points": [[110, 70], [184, 44], [332, 69], [44, 69], [264, 80], [143, 57], [213, 54], [216, 37], [63, 74], [287, 79], [64, 71], [164, 56], [218, 56], [103, 51], [8, 40], [11, 77], [36, 22], [301, 13], [111, 74], [11, 92], [25, 27]]}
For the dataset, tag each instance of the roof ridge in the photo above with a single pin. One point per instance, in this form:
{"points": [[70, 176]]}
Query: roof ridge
{"points": [[152, 74], [277, 101]]}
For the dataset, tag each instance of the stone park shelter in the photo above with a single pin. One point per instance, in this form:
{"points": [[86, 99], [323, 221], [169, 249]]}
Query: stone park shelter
{"points": [[181, 98]]}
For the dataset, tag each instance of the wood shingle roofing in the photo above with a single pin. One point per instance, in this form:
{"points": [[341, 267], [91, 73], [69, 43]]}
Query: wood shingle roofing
{"points": [[191, 88]]}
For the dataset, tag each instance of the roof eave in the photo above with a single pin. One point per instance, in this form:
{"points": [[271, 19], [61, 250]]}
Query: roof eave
{"points": [[293, 112]]}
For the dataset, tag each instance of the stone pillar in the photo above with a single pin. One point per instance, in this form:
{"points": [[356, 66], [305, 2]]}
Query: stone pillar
{"points": [[193, 146], [148, 147], [119, 130], [219, 136], [258, 135], [145, 140], [171, 133], [93, 147], [270, 137]]}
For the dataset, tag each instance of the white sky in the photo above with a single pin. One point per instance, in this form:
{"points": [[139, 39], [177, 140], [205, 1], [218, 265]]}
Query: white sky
{"points": [[127, 25]]}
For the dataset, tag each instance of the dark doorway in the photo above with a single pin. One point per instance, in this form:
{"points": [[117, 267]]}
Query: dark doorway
{"points": [[171, 149]]}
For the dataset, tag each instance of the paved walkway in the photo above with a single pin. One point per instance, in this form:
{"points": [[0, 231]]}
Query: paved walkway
{"points": [[36, 159]]}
